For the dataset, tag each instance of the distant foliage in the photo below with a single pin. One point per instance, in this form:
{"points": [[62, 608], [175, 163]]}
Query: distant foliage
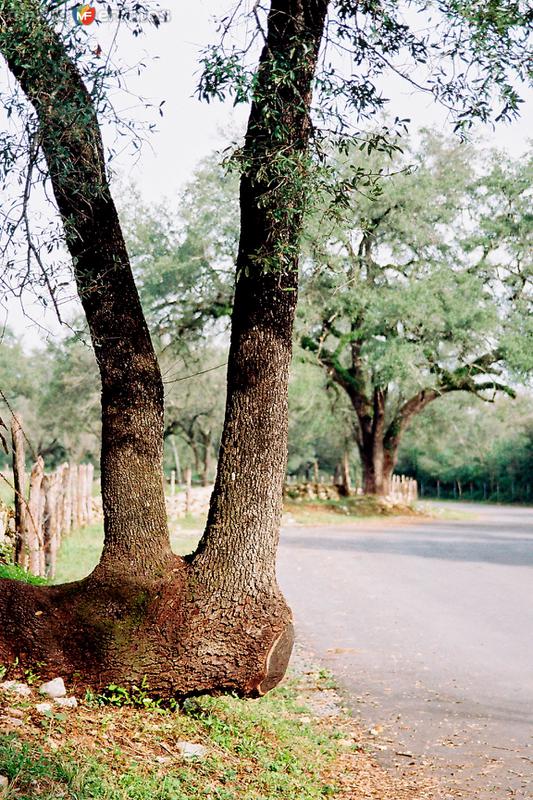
{"points": [[464, 447]]}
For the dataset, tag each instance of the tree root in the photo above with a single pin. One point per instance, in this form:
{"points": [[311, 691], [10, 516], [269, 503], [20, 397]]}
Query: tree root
{"points": [[103, 630]]}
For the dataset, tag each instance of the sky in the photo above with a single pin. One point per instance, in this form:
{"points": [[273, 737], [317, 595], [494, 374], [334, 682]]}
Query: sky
{"points": [[189, 130]]}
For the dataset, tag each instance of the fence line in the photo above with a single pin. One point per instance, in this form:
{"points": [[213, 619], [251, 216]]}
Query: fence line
{"points": [[57, 503], [403, 490], [46, 508]]}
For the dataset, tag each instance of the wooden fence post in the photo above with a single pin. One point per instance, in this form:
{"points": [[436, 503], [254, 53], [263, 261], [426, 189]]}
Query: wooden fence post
{"points": [[188, 481], [34, 519], [19, 482], [346, 482], [89, 485], [51, 488], [66, 481], [74, 496], [80, 498]]}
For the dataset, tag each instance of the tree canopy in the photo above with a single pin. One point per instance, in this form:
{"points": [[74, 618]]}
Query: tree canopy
{"points": [[408, 294]]}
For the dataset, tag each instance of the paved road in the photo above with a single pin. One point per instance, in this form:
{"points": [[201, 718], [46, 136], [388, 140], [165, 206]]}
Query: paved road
{"points": [[428, 626]]}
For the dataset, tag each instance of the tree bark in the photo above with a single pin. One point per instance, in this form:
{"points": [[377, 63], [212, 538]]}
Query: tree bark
{"points": [[237, 554], [378, 467], [216, 622], [132, 392]]}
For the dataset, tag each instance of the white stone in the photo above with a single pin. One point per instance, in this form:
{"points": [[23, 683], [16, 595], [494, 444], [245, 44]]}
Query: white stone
{"points": [[43, 708], [54, 689], [17, 688], [191, 750], [66, 702], [12, 722], [4, 782]]}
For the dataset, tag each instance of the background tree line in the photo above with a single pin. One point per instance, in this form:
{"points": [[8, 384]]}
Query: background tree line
{"points": [[417, 289]]}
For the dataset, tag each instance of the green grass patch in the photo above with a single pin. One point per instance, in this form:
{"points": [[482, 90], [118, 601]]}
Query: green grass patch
{"points": [[255, 750], [6, 493], [15, 573], [323, 512], [79, 553]]}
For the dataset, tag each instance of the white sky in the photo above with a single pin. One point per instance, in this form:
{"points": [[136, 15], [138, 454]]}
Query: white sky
{"points": [[190, 130]]}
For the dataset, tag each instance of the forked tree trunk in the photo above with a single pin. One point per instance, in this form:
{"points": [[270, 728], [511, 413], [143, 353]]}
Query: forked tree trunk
{"points": [[218, 621]]}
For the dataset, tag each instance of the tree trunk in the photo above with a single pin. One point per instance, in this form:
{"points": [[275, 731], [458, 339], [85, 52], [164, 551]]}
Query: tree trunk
{"points": [[216, 622], [195, 455], [237, 554], [378, 466]]}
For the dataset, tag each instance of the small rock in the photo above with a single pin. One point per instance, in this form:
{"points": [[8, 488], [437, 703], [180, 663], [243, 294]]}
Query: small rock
{"points": [[66, 702], [14, 712], [54, 689], [43, 708], [162, 759], [4, 783], [191, 750], [52, 744], [12, 722], [17, 688]]}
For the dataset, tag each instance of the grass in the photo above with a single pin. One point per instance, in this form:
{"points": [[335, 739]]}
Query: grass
{"points": [[6, 493], [255, 750], [13, 572], [324, 512], [80, 552]]}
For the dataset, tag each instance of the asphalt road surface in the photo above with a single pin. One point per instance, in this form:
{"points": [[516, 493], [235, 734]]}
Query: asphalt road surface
{"points": [[428, 627]]}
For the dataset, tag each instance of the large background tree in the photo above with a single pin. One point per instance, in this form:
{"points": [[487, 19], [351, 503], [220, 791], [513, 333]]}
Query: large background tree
{"points": [[421, 291]]}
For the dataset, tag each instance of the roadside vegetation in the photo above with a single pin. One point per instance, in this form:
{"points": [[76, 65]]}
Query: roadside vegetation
{"points": [[262, 749]]}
